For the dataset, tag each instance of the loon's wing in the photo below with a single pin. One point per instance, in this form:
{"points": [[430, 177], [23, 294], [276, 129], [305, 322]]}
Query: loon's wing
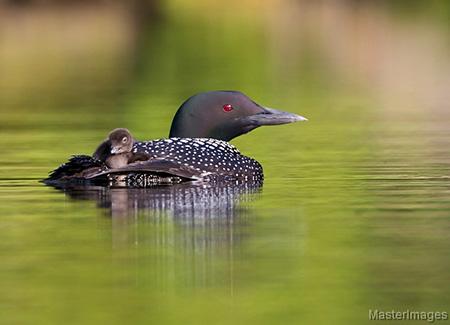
{"points": [[157, 166], [78, 166]]}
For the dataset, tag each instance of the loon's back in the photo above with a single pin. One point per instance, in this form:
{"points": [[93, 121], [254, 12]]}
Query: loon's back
{"points": [[209, 157], [173, 160]]}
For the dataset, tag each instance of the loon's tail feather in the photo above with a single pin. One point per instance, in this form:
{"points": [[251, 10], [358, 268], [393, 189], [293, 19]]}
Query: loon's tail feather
{"points": [[78, 167]]}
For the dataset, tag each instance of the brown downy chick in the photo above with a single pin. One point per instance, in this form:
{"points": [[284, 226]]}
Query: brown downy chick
{"points": [[116, 150]]}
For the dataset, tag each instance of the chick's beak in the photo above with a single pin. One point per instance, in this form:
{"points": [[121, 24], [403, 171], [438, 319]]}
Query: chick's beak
{"points": [[115, 150]]}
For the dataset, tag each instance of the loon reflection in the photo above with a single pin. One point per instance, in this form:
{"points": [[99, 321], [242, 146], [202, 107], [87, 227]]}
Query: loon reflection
{"points": [[183, 235], [186, 203]]}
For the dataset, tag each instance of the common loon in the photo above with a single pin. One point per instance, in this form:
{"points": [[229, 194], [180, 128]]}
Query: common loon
{"points": [[197, 147]]}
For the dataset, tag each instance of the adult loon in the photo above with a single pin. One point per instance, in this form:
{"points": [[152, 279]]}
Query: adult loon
{"points": [[197, 147]]}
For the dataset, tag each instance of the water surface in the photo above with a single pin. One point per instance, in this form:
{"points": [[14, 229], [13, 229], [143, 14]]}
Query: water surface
{"points": [[353, 214]]}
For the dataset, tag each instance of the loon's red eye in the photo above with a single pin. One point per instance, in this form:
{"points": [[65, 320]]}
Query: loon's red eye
{"points": [[227, 107]]}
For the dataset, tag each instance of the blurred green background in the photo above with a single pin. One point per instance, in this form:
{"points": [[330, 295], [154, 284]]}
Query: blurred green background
{"points": [[354, 213]]}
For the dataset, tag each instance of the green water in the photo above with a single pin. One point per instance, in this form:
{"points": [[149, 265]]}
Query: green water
{"points": [[354, 213]]}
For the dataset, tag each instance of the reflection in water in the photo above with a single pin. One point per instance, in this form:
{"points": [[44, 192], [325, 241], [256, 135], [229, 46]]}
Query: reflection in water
{"points": [[186, 203], [188, 232]]}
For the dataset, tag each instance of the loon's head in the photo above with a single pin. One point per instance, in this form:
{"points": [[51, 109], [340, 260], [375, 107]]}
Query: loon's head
{"points": [[121, 141], [224, 115]]}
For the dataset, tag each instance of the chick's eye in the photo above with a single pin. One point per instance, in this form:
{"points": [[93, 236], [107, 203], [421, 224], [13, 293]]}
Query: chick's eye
{"points": [[124, 140], [227, 107]]}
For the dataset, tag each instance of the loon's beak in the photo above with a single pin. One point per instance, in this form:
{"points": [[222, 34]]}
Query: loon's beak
{"points": [[115, 150], [270, 116]]}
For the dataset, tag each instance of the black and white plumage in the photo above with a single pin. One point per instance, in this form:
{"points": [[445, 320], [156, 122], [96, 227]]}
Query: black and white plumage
{"points": [[175, 160], [204, 155], [171, 161]]}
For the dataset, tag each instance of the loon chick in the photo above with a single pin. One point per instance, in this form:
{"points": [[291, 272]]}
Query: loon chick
{"points": [[196, 148], [115, 151]]}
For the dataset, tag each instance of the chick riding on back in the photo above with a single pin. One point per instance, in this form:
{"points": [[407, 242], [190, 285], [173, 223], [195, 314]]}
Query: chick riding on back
{"points": [[116, 150]]}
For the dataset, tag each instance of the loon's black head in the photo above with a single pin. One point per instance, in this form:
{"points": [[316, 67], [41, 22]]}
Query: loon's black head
{"points": [[121, 141], [224, 115]]}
